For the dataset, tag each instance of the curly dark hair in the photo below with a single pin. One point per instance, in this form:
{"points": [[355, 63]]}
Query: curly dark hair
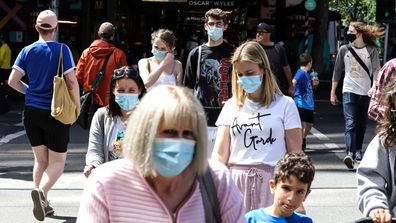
{"points": [[113, 109], [295, 164], [387, 126]]}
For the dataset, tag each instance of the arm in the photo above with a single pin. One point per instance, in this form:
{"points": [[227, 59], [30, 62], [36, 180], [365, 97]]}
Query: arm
{"points": [[15, 81], [293, 139], [230, 198], [373, 179], [221, 150], [95, 155], [72, 85], [376, 66], [80, 70], [289, 77], [339, 68], [93, 206], [179, 74], [149, 78]]}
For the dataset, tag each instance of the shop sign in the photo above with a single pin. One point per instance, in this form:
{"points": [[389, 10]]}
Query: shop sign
{"points": [[211, 3]]}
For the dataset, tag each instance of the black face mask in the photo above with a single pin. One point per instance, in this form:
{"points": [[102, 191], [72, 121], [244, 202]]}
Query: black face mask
{"points": [[350, 37]]}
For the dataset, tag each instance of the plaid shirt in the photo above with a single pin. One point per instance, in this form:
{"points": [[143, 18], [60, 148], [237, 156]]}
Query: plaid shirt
{"points": [[385, 75]]}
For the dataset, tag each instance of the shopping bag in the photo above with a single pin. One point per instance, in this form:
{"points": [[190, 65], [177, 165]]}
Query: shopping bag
{"points": [[63, 107]]}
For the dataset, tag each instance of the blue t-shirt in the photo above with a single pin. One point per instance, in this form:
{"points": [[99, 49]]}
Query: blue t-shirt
{"points": [[262, 216], [303, 93], [39, 61]]}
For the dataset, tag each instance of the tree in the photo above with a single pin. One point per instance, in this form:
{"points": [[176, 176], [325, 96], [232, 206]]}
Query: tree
{"points": [[354, 10], [319, 33]]}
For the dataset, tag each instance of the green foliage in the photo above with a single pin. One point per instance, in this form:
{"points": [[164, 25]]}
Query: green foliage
{"points": [[354, 10]]}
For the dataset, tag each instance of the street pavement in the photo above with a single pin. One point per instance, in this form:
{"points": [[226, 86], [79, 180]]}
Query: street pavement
{"points": [[333, 197]]}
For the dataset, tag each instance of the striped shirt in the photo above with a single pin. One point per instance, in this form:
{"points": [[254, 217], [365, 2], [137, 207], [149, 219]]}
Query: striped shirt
{"points": [[117, 192]]}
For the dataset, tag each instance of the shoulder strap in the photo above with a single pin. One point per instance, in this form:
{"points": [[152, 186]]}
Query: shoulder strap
{"points": [[101, 73], [60, 62], [364, 66], [199, 61], [209, 198]]}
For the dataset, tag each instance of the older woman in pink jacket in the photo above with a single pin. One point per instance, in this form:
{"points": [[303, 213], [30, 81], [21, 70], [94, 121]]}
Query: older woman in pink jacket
{"points": [[165, 176]]}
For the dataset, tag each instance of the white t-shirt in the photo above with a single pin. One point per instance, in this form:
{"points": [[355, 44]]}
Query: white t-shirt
{"points": [[356, 78], [257, 132]]}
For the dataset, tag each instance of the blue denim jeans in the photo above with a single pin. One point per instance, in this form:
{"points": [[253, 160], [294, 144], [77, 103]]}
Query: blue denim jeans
{"points": [[355, 115]]}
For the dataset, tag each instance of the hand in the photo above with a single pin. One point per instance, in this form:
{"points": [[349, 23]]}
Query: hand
{"points": [[88, 170], [333, 99], [291, 91], [169, 58], [315, 83], [370, 92], [381, 215]]}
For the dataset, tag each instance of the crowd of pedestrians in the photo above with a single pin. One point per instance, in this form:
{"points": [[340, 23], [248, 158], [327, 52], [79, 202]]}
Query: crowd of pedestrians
{"points": [[240, 106]]}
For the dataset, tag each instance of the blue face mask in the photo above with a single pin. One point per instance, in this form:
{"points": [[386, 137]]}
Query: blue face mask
{"points": [[127, 101], [216, 33], [172, 155], [249, 83], [159, 55]]}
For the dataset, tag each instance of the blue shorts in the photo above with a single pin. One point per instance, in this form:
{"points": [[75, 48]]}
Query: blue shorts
{"points": [[42, 129]]}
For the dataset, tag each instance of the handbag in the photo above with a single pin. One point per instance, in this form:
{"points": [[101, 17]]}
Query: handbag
{"points": [[63, 107], [88, 106]]}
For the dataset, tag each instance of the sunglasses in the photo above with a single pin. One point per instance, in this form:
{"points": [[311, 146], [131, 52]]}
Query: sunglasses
{"points": [[122, 72]]}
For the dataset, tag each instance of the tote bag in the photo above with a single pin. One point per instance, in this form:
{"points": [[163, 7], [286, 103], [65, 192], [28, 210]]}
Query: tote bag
{"points": [[63, 107]]}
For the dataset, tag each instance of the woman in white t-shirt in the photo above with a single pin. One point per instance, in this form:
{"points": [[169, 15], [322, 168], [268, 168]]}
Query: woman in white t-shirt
{"points": [[109, 123], [162, 67], [257, 126]]}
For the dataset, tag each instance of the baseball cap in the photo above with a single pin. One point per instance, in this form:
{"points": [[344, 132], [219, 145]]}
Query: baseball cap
{"points": [[106, 30], [265, 26], [47, 20]]}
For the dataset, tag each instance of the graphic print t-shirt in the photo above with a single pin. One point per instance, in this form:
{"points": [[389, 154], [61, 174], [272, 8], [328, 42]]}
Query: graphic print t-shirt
{"points": [[118, 136], [213, 85], [303, 93], [257, 132]]}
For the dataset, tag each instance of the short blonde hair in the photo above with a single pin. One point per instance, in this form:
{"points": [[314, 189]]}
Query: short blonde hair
{"points": [[252, 52], [167, 105]]}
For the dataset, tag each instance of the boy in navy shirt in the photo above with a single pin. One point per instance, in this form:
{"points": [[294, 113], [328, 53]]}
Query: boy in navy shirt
{"points": [[293, 176]]}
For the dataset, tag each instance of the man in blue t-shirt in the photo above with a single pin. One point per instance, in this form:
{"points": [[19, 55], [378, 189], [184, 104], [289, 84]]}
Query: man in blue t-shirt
{"points": [[303, 94], [48, 136]]}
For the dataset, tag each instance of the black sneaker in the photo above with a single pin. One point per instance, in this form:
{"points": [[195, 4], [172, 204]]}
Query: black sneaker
{"points": [[38, 204], [348, 161], [49, 210]]}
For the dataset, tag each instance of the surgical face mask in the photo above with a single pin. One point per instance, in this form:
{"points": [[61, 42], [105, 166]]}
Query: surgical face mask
{"points": [[215, 33], [350, 37], [250, 83], [159, 55], [127, 101], [172, 155]]}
